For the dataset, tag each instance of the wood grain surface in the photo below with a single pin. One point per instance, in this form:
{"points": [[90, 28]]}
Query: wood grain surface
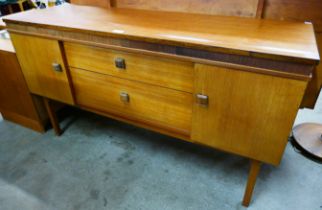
{"points": [[254, 62], [226, 34], [251, 114], [95, 3], [246, 8], [36, 56], [16, 103], [153, 70], [253, 174], [156, 106]]}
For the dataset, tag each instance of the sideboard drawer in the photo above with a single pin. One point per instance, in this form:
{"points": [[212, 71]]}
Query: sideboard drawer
{"points": [[157, 106], [148, 69]]}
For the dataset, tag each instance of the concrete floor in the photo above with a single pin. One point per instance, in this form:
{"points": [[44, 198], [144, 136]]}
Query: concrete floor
{"points": [[99, 163]]}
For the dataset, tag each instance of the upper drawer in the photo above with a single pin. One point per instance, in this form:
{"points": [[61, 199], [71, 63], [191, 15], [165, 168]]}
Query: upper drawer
{"points": [[149, 69]]}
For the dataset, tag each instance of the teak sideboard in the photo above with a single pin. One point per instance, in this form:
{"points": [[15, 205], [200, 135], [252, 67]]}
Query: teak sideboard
{"points": [[230, 83]]}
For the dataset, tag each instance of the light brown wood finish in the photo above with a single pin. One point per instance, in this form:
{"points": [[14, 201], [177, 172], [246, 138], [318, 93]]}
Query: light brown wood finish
{"points": [[16, 103], [96, 3], [245, 8], [52, 116], [36, 57], [276, 67], [253, 173], [140, 124], [250, 112], [246, 110], [156, 106], [148, 69], [266, 38]]}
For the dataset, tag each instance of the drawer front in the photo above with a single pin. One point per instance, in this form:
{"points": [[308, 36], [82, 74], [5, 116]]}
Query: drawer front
{"points": [[153, 105], [148, 69]]}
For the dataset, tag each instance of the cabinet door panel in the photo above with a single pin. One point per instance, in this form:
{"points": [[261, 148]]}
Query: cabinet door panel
{"points": [[247, 114], [36, 57]]}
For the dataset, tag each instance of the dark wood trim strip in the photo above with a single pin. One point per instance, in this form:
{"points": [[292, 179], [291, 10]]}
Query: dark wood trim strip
{"points": [[16, 24], [292, 70]]}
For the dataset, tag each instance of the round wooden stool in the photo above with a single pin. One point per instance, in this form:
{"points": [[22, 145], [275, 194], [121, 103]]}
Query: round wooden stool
{"points": [[308, 139]]}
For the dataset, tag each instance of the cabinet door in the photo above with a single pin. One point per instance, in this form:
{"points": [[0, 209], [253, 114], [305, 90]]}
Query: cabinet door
{"points": [[246, 113], [43, 67]]}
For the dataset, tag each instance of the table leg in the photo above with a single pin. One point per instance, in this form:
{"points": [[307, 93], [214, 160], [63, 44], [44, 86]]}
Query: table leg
{"points": [[253, 173], [20, 3], [52, 116]]}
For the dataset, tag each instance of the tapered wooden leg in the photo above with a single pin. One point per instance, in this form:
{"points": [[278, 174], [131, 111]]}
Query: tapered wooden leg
{"points": [[21, 6], [254, 170], [52, 116]]}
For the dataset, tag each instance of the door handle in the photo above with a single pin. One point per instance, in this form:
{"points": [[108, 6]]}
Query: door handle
{"points": [[57, 67], [202, 100], [125, 97], [120, 63]]}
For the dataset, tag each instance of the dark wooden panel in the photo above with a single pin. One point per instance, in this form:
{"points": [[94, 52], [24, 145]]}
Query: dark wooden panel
{"points": [[315, 85], [16, 103], [245, 8], [156, 106], [300, 10], [96, 3]]}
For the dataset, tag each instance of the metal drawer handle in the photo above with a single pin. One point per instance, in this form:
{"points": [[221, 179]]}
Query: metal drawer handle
{"points": [[203, 100], [57, 67], [125, 97], [120, 63]]}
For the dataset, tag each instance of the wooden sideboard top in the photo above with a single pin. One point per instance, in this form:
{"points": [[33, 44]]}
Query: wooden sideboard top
{"points": [[233, 35]]}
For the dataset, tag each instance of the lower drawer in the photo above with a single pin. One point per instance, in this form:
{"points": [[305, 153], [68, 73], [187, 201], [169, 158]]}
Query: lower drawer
{"points": [[152, 105]]}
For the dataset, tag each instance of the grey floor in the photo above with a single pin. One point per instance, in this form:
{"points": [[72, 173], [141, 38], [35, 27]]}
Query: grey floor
{"points": [[99, 163]]}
